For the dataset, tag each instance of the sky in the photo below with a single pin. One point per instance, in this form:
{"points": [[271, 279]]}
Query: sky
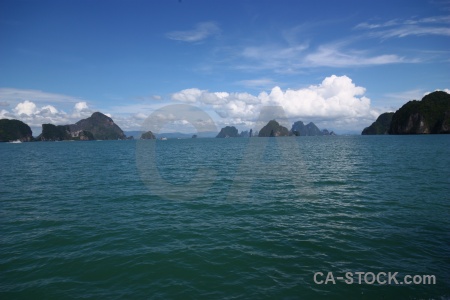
{"points": [[339, 64]]}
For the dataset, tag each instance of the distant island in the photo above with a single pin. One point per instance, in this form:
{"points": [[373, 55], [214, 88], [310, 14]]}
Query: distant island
{"points": [[97, 127], [300, 129], [431, 115], [148, 136], [274, 129], [228, 131], [101, 127], [14, 130], [380, 126]]}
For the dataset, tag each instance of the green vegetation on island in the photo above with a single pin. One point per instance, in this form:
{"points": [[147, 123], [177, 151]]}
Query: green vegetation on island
{"points": [[13, 130], [228, 131], [300, 129], [52, 132], [380, 126], [148, 136], [430, 115], [101, 126], [96, 127], [273, 129]]}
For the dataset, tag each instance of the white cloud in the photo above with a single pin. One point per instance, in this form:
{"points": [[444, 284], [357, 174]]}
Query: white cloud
{"points": [[48, 110], [200, 32], [20, 95], [274, 53], [407, 30], [335, 103], [26, 108], [335, 98], [438, 25], [34, 115], [329, 56], [33, 107], [188, 95], [292, 59], [444, 90], [4, 114], [81, 110], [275, 57], [80, 106]]}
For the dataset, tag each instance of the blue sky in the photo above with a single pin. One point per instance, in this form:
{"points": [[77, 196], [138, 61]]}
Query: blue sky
{"points": [[336, 63]]}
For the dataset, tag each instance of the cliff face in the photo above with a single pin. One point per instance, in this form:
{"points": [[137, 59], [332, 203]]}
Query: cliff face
{"points": [[12, 130], [100, 126], [380, 126], [96, 127], [430, 115], [273, 129], [298, 128], [228, 131], [52, 132]]}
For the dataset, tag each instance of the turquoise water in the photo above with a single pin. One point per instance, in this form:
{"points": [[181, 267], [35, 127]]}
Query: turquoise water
{"points": [[123, 219]]}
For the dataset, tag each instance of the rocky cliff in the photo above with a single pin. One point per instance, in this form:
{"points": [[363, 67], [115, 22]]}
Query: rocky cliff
{"points": [[101, 126], [380, 126], [300, 129], [228, 131], [273, 129], [430, 115], [148, 136], [52, 132], [13, 130]]}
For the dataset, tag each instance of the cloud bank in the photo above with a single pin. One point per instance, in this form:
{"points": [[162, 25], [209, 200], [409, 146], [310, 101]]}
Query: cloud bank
{"points": [[336, 103], [34, 115], [335, 98]]}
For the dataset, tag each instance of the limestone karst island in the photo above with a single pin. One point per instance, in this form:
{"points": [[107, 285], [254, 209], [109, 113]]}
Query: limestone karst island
{"points": [[431, 115]]}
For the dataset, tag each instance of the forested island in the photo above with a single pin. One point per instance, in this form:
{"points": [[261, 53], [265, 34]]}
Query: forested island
{"points": [[274, 129], [97, 127], [14, 130], [431, 115]]}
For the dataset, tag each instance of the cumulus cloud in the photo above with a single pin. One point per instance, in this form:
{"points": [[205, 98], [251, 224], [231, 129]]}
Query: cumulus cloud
{"points": [[81, 110], [48, 110], [335, 98], [26, 108], [4, 114], [34, 115], [80, 106], [200, 32]]}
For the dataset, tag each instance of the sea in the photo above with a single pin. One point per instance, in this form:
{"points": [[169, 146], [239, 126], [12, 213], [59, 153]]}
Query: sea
{"points": [[326, 217]]}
